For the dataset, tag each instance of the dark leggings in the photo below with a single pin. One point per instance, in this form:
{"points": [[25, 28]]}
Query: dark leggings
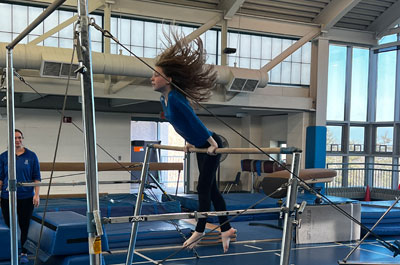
{"points": [[24, 213], [207, 187]]}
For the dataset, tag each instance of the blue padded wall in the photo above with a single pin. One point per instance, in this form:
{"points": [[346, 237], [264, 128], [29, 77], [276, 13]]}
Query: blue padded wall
{"points": [[316, 147], [316, 150]]}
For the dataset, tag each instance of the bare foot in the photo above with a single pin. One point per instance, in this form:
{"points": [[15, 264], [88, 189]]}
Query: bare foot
{"points": [[193, 240], [226, 238]]}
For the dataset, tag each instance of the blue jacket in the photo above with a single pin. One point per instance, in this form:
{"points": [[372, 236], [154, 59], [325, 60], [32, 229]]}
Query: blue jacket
{"points": [[182, 117], [27, 170]]}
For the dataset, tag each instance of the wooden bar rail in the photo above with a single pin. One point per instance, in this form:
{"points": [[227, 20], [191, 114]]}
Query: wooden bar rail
{"points": [[109, 166]]}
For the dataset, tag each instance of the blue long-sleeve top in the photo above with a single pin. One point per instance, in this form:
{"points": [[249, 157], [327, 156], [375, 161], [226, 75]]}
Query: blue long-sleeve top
{"points": [[27, 170], [182, 117]]}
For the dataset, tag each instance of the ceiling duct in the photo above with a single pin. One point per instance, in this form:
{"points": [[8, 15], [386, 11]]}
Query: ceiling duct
{"points": [[244, 80], [54, 62]]}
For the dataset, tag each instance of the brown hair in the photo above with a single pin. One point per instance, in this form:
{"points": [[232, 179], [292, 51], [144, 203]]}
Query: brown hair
{"points": [[18, 130], [185, 63]]}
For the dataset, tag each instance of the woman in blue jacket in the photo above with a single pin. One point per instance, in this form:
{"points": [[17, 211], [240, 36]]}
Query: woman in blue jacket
{"points": [[183, 64], [27, 170]]}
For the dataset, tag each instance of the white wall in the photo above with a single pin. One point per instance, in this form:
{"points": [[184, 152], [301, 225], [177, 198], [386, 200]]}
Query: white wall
{"points": [[40, 128]]}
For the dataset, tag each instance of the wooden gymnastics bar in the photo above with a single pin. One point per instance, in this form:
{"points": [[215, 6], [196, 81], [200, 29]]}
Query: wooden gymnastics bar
{"points": [[273, 150], [109, 166]]}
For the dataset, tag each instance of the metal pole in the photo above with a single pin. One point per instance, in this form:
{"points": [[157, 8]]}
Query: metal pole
{"points": [[12, 189], [85, 62], [138, 206], [290, 211], [36, 22]]}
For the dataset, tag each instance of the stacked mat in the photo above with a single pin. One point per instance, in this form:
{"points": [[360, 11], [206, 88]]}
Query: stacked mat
{"points": [[372, 211]]}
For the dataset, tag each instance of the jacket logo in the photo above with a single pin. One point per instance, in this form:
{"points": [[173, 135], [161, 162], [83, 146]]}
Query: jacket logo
{"points": [[26, 162]]}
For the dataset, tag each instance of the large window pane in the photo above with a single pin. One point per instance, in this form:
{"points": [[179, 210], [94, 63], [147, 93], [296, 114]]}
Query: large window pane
{"points": [[335, 162], [125, 31], [356, 171], [383, 172], [5, 10], [275, 74], [276, 47], [356, 141], [67, 32], [388, 38], [359, 85], [33, 13], [51, 22], [266, 43], [286, 72], [333, 138], [384, 139], [255, 47], [137, 33], [296, 73], [305, 73], [286, 44], [150, 34], [386, 86], [244, 45], [336, 82], [19, 18], [211, 42]]}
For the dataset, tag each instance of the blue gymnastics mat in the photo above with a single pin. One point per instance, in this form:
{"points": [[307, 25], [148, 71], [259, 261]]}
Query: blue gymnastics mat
{"points": [[112, 205], [149, 233], [5, 242]]}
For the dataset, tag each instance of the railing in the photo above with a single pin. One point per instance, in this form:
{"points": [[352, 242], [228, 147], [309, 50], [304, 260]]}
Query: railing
{"points": [[363, 174]]}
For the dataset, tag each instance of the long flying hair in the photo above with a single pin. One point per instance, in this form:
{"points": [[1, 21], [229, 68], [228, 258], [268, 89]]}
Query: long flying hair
{"points": [[185, 63]]}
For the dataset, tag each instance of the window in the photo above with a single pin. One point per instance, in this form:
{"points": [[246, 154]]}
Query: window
{"points": [[359, 85], [386, 82], [356, 139], [336, 82], [334, 138], [15, 18], [384, 139]]}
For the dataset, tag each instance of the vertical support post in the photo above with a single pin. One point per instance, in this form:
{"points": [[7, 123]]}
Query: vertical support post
{"points": [[224, 42], [12, 187], [290, 212], [85, 62], [138, 206]]}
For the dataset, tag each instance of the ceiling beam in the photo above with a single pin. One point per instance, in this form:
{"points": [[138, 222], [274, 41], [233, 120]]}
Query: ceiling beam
{"points": [[230, 7], [211, 23], [121, 85], [295, 46], [333, 12], [386, 20]]}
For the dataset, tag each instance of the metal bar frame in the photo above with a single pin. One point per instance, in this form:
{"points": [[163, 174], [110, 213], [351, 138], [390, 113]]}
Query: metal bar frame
{"points": [[178, 216], [11, 160], [290, 210], [84, 52], [138, 207], [289, 219], [11, 127]]}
